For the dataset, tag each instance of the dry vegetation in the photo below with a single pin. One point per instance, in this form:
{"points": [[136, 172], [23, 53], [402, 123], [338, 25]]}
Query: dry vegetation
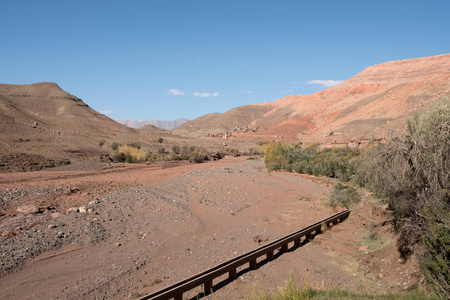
{"points": [[291, 290], [413, 175], [132, 153]]}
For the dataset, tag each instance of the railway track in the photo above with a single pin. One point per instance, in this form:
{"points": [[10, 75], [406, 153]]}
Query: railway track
{"points": [[206, 278]]}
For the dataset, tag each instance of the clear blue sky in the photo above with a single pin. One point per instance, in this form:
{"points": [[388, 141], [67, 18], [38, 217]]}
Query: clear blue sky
{"points": [[165, 59]]}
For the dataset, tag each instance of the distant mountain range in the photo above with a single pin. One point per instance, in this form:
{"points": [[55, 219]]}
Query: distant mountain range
{"points": [[167, 125]]}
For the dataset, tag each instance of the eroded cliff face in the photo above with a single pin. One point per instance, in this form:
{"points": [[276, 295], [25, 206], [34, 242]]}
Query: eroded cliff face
{"points": [[381, 97]]}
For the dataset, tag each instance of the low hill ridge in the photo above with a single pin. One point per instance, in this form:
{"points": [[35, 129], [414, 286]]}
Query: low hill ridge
{"points": [[40, 89]]}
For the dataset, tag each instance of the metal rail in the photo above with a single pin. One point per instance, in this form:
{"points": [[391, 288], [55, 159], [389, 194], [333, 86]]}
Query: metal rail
{"points": [[206, 278]]}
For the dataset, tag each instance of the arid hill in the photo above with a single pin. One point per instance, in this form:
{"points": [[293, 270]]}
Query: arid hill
{"points": [[43, 126], [365, 106]]}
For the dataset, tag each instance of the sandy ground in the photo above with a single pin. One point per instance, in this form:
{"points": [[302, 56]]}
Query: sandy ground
{"points": [[126, 231]]}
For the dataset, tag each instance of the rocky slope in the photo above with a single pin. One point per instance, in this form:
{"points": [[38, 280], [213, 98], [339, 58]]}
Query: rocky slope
{"points": [[42, 119], [365, 106]]}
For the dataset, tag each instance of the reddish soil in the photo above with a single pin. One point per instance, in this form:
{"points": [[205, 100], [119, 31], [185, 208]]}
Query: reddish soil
{"points": [[126, 231]]}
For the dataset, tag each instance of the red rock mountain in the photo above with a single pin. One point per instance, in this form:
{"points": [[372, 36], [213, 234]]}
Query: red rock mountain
{"points": [[379, 98]]}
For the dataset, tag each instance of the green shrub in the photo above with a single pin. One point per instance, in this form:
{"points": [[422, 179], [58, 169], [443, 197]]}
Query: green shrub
{"points": [[184, 156], [257, 150], [338, 163], [275, 156], [413, 174], [161, 150], [435, 264], [192, 154], [160, 140], [134, 145], [288, 167], [115, 146], [298, 167], [176, 149], [235, 152], [198, 155], [185, 149], [150, 157], [291, 290], [344, 195], [119, 157], [174, 156]]}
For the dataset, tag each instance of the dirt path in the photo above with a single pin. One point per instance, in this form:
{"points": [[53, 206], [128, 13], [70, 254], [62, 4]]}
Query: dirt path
{"points": [[124, 232]]}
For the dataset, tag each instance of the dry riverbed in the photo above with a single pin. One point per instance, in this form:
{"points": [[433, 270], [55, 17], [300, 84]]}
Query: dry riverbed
{"points": [[127, 231]]}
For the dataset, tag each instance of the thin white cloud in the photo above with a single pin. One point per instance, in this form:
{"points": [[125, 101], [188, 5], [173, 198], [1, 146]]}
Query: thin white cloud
{"points": [[325, 83], [287, 91], [107, 111], [175, 92], [248, 92], [205, 95]]}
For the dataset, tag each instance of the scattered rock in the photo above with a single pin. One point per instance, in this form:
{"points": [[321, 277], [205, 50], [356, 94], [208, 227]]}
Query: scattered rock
{"points": [[363, 248], [7, 233], [259, 239], [56, 215], [28, 209], [72, 209]]}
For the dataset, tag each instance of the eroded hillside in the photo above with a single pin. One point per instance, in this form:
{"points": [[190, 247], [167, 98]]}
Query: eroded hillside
{"points": [[364, 106]]}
